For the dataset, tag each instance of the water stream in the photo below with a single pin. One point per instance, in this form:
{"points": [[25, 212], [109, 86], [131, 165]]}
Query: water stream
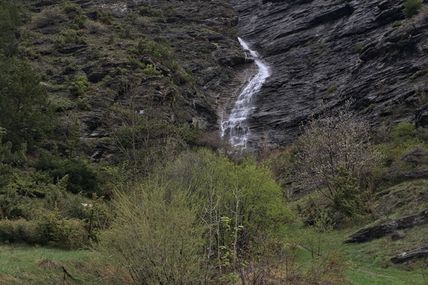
{"points": [[235, 127]]}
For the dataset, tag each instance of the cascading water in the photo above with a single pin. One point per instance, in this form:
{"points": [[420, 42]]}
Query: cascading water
{"points": [[236, 127]]}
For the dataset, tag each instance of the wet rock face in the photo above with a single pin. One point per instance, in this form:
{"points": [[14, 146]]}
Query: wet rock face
{"points": [[331, 51]]}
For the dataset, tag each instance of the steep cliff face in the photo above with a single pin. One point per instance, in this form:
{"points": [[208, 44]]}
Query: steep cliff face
{"points": [[169, 61], [325, 52]]}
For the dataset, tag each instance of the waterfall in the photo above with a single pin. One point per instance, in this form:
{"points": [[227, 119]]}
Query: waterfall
{"points": [[236, 126]]}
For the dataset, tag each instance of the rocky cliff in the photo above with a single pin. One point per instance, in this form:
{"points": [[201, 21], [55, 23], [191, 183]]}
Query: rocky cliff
{"points": [[325, 52], [169, 61]]}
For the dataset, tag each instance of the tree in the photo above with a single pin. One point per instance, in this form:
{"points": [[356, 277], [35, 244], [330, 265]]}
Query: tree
{"points": [[24, 104], [240, 204], [9, 21], [333, 156]]}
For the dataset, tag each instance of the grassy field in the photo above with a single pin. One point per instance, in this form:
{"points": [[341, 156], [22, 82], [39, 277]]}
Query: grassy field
{"points": [[37, 265], [366, 264], [31, 265]]}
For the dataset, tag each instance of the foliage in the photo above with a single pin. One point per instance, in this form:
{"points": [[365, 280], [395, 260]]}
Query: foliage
{"points": [[23, 101], [48, 17], [82, 177], [9, 21], [334, 156], [412, 7], [241, 205], [155, 236], [48, 229], [403, 149], [79, 85], [69, 36]]}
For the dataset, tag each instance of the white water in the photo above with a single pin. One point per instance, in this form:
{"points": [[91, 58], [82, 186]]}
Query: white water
{"points": [[236, 127]]}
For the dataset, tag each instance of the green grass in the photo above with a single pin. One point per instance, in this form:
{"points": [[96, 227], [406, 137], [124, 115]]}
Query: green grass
{"points": [[37, 265], [367, 263]]}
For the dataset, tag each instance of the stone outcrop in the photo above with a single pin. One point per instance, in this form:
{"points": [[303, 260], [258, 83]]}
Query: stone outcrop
{"points": [[380, 230], [416, 253], [332, 51]]}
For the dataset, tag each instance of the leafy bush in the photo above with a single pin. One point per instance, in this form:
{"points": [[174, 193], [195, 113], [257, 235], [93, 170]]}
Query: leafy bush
{"points": [[243, 201], [412, 7], [19, 231], [334, 156], [49, 229], [82, 177], [79, 85], [219, 214], [155, 237], [69, 36]]}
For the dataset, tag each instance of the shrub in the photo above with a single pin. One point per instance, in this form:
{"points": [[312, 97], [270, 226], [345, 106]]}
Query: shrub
{"points": [[160, 51], [95, 27], [334, 156], [241, 204], [48, 17], [203, 213], [18, 231], [25, 111], [69, 36], [151, 70], [359, 47], [49, 229], [155, 237], [79, 85], [82, 177], [71, 8], [412, 7]]}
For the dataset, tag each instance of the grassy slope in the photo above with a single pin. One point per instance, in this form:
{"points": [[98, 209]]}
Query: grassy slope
{"points": [[362, 267], [36, 265]]}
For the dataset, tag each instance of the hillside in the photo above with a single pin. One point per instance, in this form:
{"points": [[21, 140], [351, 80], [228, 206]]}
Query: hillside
{"points": [[214, 142]]}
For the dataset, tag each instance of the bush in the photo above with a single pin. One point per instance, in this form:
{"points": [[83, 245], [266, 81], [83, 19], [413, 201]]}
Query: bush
{"points": [[82, 177], [412, 7], [49, 229], [69, 36], [241, 204], [79, 85], [205, 213], [18, 231], [155, 236], [334, 156], [48, 17]]}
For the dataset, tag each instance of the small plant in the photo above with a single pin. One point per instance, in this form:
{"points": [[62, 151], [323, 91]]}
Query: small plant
{"points": [[412, 7], [332, 89], [359, 47], [69, 36], [71, 8], [80, 85], [151, 70]]}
